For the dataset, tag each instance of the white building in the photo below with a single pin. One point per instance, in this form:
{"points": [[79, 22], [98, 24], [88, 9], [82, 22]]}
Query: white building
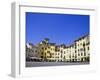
{"points": [[31, 50], [82, 48], [78, 51]]}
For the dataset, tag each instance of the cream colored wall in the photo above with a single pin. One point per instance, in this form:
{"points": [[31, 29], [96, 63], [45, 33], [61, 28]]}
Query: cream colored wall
{"points": [[68, 53]]}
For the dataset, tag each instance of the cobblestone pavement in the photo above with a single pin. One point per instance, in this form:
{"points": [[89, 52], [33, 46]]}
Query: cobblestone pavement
{"points": [[40, 64]]}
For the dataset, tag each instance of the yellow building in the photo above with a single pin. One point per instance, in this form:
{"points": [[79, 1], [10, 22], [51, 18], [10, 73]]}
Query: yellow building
{"points": [[46, 50], [57, 53], [78, 51]]}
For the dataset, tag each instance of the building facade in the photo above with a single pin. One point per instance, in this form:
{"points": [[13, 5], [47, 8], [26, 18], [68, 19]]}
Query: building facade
{"points": [[82, 48], [31, 51], [79, 51]]}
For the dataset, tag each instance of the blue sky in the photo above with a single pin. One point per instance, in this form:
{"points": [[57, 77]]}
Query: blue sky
{"points": [[59, 28]]}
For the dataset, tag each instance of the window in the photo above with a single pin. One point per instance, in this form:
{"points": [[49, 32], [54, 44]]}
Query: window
{"points": [[75, 56], [84, 49], [81, 49], [42, 53], [64, 57], [83, 44], [48, 47], [42, 47], [78, 44], [45, 48], [61, 55], [41, 56], [88, 48], [81, 54], [78, 50], [48, 51], [70, 56], [61, 51], [36, 51], [78, 54], [75, 46], [84, 54]]}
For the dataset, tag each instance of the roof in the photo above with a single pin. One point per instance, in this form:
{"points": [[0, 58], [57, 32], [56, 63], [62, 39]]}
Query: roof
{"points": [[82, 37]]}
